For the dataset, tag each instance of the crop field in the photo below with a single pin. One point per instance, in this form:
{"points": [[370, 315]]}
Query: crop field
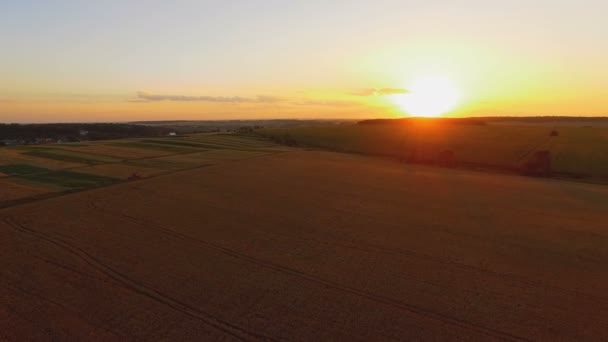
{"points": [[115, 151], [70, 156], [230, 154], [19, 156], [309, 246], [20, 169], [165, 163], [157, 147], [68, 167], [580, 152], [70, 180], [11, 190], [120, 170]]}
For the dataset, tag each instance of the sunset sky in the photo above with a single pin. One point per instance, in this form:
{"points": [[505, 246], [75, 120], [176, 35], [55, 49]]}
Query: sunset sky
{"points": [[163, 60]]}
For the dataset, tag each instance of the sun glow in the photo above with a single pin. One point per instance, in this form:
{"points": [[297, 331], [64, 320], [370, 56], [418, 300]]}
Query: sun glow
{"points": [[429, 96]]}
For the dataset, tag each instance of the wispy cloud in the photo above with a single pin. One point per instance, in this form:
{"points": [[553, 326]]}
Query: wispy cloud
{"points": [[378, 92], [326, 102], [147, 97]]}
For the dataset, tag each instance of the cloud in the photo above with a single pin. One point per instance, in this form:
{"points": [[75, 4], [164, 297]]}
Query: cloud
{"points": [[378, 92], [363, 92], [146, 97], [329, 103], [392, 91]]}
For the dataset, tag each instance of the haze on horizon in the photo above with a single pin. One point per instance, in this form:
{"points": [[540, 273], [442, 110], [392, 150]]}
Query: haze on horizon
{"points": [[129, 60]]}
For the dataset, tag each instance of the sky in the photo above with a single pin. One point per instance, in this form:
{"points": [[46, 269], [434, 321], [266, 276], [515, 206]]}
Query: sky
{"points": [[91, 61]]}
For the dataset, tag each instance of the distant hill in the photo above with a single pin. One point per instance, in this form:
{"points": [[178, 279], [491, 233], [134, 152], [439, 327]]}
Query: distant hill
{"points": [[218, 123], [477, 121], [547, 119], [406, 121], [202, 126]]}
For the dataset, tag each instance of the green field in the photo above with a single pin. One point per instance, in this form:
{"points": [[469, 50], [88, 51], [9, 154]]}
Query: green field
{"points": [[21, 169], [155, 146], [577, 151], [175, 142], [70, 156], [70, 179]]}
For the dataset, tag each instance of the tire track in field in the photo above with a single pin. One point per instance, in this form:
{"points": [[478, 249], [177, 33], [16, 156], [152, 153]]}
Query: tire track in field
{"points": [[129, 283], [443, 318], [534, 148]]}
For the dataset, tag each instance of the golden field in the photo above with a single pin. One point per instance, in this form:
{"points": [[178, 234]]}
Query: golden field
{"points": [[308, 245]]}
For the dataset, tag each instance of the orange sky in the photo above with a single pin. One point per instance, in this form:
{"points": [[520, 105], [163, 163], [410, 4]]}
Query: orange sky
{"points": [[119, 61]]}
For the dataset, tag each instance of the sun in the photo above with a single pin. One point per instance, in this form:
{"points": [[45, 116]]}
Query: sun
{"points": [[429, 96]]}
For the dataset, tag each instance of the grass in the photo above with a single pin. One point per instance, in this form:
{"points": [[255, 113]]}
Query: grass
{"points": [[212, 142], [231, 141], [70, 156], [174, 143], [158, 147], [75, 144], [70, 179], [160, 163], [120, 170], [21, 169]]}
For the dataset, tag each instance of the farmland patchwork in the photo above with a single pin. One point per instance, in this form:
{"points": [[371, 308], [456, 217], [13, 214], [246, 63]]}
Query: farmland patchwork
{"points": [[32, 171]]}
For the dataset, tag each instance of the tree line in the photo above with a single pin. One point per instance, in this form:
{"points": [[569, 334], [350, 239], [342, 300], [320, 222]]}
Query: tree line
{"points": [[32, 133]]}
